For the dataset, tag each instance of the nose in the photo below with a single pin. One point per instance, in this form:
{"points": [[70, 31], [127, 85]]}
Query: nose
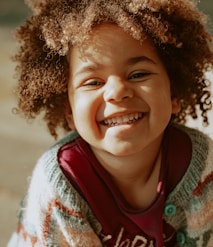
{"points": [[117, 90]]}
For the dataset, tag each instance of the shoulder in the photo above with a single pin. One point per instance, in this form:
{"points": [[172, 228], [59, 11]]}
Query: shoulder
{"points": [[193, 195], [52, 205], [50, 193], [47, 176], [202, 144], [49, 187], [202, 151], [194, 134], [201, 164], [48, 162]]}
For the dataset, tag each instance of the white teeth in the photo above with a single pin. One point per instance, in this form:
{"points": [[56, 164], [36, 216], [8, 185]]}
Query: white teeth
{"points": [[123, 119], [108, 122], [136, 116], [114, 120], [131, 117], [119, 120]]}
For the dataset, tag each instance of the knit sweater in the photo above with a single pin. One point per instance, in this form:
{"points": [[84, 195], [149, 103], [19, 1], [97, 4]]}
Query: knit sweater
{"points": [[54, 214]]}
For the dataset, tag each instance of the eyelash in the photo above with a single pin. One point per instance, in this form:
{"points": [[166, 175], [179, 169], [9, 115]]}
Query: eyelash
{"points": [[99, 83], [94, 83], [138, 75]]}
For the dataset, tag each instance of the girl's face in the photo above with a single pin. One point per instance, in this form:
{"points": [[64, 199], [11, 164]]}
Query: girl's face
{"points": [[119, 93]]}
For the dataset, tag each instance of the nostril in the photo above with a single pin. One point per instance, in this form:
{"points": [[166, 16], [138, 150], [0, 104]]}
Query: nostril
{"points": [[126, 97]]}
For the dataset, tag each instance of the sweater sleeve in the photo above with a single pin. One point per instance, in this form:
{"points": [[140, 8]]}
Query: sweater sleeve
{"points": [[54, 214]]}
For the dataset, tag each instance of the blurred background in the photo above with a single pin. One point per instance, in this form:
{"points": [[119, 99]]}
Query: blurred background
{"points": [[22, 143]]}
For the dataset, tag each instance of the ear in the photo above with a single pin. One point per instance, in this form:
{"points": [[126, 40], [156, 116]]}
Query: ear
{"points": [[176, 105], [69, 116]]}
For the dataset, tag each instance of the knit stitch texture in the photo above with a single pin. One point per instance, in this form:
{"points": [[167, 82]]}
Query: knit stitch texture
{"points": [[54, 214]]}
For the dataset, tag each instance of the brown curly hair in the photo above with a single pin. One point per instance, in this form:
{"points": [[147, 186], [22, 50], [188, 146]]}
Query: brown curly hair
{"points": [[176, 28]]}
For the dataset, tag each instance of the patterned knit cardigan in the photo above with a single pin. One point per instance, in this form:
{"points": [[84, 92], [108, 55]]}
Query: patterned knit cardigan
{"points": [[53, 214]]}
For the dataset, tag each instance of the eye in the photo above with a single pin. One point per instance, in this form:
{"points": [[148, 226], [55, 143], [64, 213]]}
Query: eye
{"points": [[93, 83], [138, 75]]}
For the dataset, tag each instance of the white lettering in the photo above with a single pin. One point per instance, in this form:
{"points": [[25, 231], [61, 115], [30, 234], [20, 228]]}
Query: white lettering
{"points": [[119, 237], [106, 238], [138, 241], [125, 243]]}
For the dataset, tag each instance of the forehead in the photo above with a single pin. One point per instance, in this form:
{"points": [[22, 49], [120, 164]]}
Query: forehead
{"points": [[108, 40]]}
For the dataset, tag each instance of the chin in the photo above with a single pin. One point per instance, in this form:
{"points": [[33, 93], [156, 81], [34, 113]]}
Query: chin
{"points": [[122, 152]]}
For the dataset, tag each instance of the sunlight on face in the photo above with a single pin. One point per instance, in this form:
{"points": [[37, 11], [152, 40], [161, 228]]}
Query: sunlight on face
{"points": [[119, 92]]}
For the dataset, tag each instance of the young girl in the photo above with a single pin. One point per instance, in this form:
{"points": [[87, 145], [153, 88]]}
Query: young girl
{"points": [[123, 75]]}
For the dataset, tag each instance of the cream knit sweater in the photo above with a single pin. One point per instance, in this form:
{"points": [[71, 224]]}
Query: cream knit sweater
{"points": [[53, 214]]}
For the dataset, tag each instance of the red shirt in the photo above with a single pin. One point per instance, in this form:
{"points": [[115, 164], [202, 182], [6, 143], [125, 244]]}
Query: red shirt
{"points": [[122, 225]]}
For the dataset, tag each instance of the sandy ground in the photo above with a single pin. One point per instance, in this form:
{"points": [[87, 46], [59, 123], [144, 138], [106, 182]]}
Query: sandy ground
{"points": [[21, 143]]}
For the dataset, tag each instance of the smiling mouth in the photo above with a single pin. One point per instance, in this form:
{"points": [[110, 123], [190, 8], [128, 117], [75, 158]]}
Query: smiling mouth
{"points": [[125, 119]]}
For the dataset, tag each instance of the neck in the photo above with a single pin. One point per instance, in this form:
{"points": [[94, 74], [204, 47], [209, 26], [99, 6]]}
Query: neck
{"points": [[139, 188], [135, 174]]}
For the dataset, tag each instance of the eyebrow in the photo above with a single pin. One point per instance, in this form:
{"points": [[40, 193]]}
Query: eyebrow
{"points": [[134, 60], [96, 66]]}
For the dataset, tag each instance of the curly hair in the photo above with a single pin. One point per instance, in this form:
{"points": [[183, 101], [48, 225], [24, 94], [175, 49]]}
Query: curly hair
{"points": [[176, 28]]}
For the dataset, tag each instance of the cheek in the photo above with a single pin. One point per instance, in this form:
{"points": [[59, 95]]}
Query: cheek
{"points": [[164, 96], [160, 103], [84, 110], [85, 119]]}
